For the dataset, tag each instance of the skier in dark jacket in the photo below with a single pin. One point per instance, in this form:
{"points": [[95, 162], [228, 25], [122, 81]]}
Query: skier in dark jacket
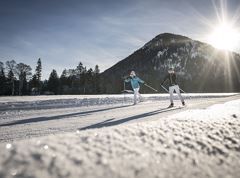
{"points": [[171, 76]]}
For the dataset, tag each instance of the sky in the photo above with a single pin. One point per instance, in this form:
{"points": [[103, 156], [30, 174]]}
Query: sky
{"points": [[65, 32]]}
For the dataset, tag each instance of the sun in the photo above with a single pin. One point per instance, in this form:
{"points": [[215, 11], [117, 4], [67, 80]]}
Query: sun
{"points": [[225, 36]]}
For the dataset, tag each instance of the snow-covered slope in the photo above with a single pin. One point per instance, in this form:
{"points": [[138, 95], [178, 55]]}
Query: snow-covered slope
{"points": [[194, 143]]}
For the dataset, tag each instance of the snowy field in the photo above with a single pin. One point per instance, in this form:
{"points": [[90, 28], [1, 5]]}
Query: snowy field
{"points": [[107, 137], [63, 101]]}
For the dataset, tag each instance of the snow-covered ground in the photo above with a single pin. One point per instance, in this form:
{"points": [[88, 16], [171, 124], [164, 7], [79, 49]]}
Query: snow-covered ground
{"points": [[64, 101], [147, 140], [28, 117]]}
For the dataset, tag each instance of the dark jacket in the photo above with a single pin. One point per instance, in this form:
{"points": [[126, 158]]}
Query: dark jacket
{"points": [[172, 79]]}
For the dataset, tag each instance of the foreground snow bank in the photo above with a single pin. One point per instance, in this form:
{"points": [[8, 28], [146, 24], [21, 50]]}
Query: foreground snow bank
{"points": [[194, 143]]}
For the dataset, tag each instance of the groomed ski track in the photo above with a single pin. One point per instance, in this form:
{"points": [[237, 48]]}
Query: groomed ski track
{"points": [[22, 120]]}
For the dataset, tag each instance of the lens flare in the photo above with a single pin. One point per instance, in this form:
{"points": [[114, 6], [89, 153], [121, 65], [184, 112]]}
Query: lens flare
{"points": [[225, 37]]}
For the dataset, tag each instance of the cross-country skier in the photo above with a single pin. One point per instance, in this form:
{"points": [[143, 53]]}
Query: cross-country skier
{"points": [[171, 76], [135, 85]]}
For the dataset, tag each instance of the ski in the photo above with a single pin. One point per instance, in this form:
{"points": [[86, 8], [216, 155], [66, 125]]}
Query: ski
{"points": [[173, 108]]}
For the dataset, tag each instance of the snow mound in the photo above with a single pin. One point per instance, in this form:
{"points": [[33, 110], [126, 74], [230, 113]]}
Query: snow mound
{"points": [[194, 143]]}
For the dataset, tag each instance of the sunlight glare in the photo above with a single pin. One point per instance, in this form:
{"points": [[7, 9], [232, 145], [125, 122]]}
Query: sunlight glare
{"points": [[225, 37]]}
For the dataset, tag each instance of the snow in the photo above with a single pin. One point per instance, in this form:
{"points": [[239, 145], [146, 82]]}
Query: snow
{"points": [[173, 40], [192, 143], [194, 54], [161, 53], [56, 101]]}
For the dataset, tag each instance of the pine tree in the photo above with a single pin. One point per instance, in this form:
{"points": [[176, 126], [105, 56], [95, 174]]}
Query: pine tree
{"points": [[38, 73], [64, 82], [79, 79], [96, 80], [2, 79], [39, 70], [63, 77], [45, 86], [25, 86], [33, 83], [79, 69], [53, 82], [11, 66], [89, 83]]}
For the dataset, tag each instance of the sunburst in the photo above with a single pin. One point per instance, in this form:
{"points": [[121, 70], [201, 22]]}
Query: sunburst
{"points": [[225, 36], [225, 32]]}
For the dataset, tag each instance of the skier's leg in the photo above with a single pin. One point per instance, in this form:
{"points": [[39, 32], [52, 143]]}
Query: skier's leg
{"points": [[179, 94], [135, 95], [140, 96], [171, 90]]}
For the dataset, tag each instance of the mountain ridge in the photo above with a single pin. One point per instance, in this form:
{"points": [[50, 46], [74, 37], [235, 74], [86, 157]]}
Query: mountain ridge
{"points": [[185, 54]]}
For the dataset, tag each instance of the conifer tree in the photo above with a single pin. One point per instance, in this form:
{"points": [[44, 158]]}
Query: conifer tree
{"points": [[11, 67], [2, 79], [53, 82], [38, 73]]}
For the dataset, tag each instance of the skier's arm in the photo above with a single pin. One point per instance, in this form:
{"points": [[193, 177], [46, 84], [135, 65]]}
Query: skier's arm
{"points": [[140, 80], [165, 78], [127, 80]]}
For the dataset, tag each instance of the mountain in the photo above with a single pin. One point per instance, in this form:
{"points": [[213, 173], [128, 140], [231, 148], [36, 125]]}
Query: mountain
{"points": [[199, 66]]}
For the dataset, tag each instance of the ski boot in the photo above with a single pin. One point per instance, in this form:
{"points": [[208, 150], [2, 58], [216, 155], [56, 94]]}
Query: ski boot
{"points": [[171, 105]]}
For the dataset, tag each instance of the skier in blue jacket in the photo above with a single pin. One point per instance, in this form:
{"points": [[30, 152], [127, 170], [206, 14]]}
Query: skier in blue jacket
{"points": [[135, 85]]}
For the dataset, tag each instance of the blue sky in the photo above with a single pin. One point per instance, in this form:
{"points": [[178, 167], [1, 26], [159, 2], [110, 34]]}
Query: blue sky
{"points": [[64, 32]]}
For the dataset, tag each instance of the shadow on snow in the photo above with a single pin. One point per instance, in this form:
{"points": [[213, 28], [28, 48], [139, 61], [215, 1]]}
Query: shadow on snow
{"points": [[42, 119], [111, 122]]}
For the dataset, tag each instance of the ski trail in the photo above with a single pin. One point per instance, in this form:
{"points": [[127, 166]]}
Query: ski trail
{"points": [[24, 124]]}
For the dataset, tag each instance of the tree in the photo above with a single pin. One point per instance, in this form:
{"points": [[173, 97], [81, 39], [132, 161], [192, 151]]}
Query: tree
{"points": [[33, 85], [89, 83], [38, 73], [96, 80], [2, 79], [53, 82], [65, 82], [39, 70], [79, 69], [63, 77], [24, 72], [45, 86], [78, 80], [11, 67]]}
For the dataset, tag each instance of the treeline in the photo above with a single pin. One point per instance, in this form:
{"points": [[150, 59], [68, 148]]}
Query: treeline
{"points": [[19, 79]]}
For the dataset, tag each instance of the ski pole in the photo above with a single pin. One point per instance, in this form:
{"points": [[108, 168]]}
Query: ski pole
{"points": [[124, 96], [164, 88], [150, 87], [182, 90], [185, 92]]}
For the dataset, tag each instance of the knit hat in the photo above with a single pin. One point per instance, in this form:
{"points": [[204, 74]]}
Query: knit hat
{"points": [[132, 73], [171, 69]]}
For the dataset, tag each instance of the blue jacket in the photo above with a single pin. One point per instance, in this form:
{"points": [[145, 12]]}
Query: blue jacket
{"points": [[134, 82]]}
